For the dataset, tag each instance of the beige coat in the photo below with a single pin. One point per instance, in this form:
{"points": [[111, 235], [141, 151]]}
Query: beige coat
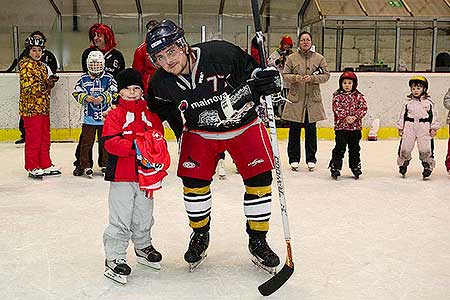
{"points": [[305, 96]]}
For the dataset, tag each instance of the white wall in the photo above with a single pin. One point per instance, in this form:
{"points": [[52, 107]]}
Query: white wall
{"points": [[384, 92]]}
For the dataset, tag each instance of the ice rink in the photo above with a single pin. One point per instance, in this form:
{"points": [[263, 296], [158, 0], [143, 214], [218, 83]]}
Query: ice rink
{"points": [[381, 237]]}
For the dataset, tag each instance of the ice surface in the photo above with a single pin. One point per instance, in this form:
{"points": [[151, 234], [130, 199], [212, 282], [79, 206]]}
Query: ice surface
{"points": [[381, 237]]}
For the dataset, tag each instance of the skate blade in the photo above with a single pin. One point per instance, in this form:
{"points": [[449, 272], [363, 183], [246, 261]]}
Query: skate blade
{"points": [[153, 265], [52, 174], [122, 279], [36, 177], [311, 169], [222, 177], [194, 266], [259, 264]]}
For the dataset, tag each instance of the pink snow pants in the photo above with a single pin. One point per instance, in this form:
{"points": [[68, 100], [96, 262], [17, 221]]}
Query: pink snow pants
{"points": [[412, 132]]}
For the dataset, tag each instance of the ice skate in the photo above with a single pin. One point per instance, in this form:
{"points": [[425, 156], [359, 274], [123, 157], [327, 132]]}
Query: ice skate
{"points": [[311, 166], [52, 171], [78, 171], [117, 270], [426, 173], [357, 172], [294, 166], [402, 170], [196, 252], [89, 173], [36, 173], [335, 172], [262, 256], [221, 169], [149, 257], [20, 143]]}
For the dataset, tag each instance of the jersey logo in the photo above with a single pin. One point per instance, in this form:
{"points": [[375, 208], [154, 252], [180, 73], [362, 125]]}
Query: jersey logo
{"points": [[255, 162], [209, 118], [183, 106]]}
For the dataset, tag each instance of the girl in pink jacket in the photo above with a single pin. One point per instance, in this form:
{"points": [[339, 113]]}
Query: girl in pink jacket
{"points": [[418, 121], [349, 107]]}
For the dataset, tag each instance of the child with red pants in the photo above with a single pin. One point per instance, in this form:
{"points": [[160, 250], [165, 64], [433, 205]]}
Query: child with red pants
{"points": [[34, 107], [447, 106]]}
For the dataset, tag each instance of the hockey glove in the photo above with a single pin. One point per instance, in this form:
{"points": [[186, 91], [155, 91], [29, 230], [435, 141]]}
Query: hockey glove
{"points": [[265, 82]]}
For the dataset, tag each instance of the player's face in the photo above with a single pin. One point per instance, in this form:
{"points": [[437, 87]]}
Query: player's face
{"points": [[99, 41], [131, 92], [347, 85], [416, 90], [36, 53], [173, 60], [305, 42]]}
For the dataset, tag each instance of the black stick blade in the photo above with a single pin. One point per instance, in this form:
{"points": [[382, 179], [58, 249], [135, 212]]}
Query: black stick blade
{"points": [[274, 283]]}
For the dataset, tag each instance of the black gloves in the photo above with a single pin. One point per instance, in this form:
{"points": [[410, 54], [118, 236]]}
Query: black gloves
{"points": [[265, 82]]}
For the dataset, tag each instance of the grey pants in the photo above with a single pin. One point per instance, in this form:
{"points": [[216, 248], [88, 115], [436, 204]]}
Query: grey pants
{"points": [[130, 216]]}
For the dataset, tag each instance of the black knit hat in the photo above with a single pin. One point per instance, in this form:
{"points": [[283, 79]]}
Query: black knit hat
{"points": [[129, 77]]}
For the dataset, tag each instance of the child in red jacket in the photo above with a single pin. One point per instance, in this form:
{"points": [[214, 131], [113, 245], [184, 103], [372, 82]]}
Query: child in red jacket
{"points": [[349, 107], [130, 210]]}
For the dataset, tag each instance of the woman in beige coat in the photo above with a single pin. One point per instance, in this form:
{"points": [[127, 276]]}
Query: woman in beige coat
{"points": [[304, 71]]}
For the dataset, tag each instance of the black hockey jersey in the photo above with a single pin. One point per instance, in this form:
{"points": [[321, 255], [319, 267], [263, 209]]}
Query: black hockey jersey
{"points": [[219, 68]]}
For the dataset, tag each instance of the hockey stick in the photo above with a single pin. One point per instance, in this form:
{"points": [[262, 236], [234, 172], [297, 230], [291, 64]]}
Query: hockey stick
{"points": [[274, 283]]}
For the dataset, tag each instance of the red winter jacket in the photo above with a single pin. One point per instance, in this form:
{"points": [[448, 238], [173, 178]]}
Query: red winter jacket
{"points": [[142, 63], [345, 105], [119, 131]]}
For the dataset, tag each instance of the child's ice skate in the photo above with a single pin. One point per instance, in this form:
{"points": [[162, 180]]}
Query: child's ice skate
{"points": [[52, 171], [262, 255], [78, 171], [36, 173], [334, 169], [402, 170], [117, 270], [149, 257], [89, 173], [357, 171], [426, 170], [196, 252]]}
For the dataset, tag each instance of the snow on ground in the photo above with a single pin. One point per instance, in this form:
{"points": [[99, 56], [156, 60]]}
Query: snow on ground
{"points": [[378, 238]]}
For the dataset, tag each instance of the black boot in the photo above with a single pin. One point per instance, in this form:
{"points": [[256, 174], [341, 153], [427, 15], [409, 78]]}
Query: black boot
{"points": [[259, 248], [197, 247], [149, 256]]}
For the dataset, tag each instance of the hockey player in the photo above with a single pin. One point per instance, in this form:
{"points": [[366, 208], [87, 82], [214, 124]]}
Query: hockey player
{"points": [[418, 121], [349, 107], [130, 208], [95, 91], [210, 85]]}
